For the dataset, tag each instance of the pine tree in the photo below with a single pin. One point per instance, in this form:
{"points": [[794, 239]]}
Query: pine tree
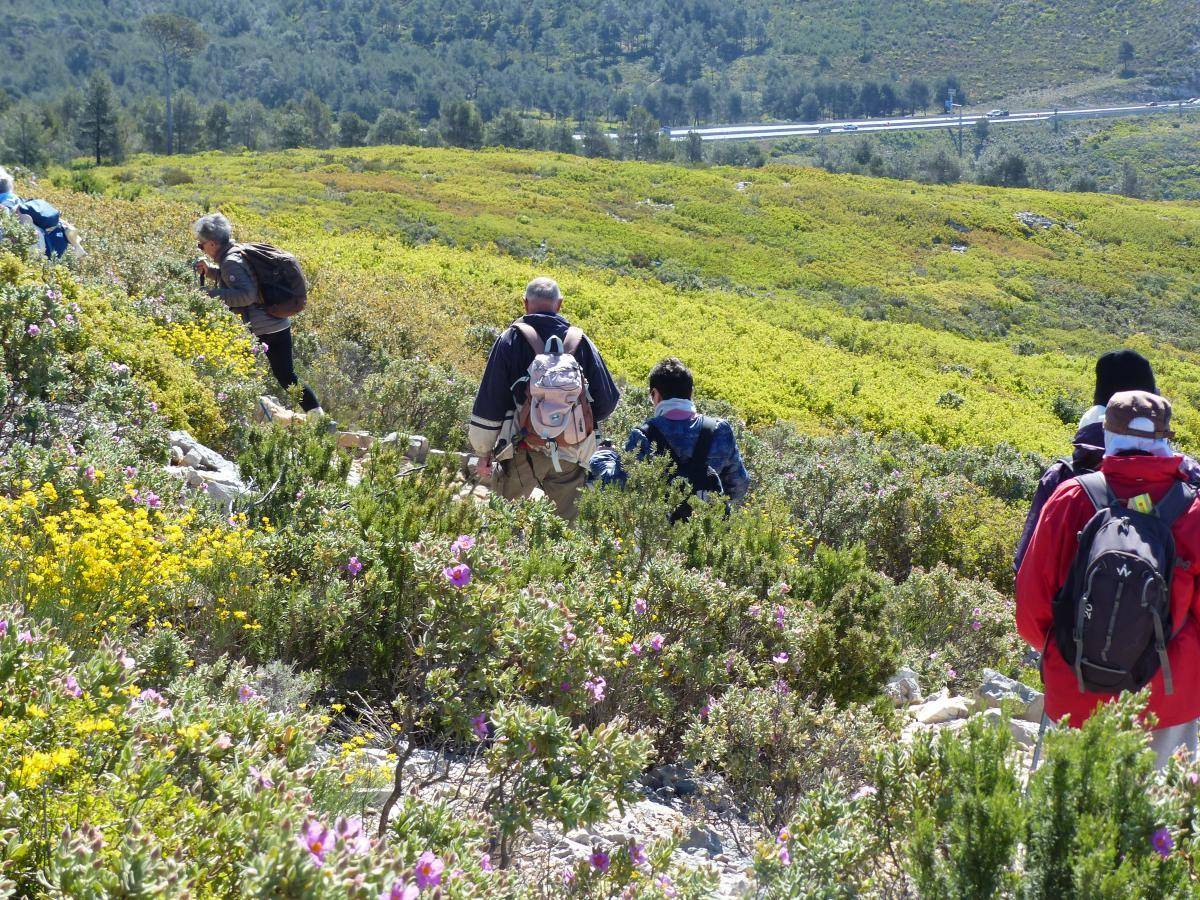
{"points": [[25, 137], [175, 38], [98, 124]]}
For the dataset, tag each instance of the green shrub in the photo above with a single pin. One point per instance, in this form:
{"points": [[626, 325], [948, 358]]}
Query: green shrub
{"points": [[773, 747], [952, 627]]}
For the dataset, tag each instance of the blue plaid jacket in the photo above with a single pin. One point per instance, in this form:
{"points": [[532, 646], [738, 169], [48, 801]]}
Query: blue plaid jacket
{"points": [[682, 434]]}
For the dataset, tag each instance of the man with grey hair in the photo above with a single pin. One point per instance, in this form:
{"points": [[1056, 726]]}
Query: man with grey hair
{"points": [[237, 289], [497, 436]]}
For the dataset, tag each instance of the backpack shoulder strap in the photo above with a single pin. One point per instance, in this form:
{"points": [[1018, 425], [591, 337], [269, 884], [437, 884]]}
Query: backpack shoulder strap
{"points": [[1177, 501], [572, 339], [1095, 485], [658, 441], [531, 336], [696, 468]]}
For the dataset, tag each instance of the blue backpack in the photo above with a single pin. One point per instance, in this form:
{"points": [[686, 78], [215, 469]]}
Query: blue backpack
{"points": [[47, 221]]}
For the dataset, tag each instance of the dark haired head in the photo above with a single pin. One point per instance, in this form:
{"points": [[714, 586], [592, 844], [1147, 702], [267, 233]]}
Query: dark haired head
{"points": [[671, 379], [1122, 370]]}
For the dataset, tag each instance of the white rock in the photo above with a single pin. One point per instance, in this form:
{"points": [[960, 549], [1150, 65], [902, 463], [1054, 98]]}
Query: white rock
{"points": [[997, 690], [904, 688], [1025, 733], [946, 709]]}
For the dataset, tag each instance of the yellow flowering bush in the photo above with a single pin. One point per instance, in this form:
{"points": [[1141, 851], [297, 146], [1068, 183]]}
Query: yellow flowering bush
{"points": [[95, 564], [224, 347]]}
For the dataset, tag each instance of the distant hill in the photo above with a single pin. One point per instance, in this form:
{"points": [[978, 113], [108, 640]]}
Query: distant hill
{"points": [[594, 59]]}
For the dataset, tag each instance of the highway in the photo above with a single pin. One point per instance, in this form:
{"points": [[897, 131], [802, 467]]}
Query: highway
{"points": [[770, 131]]}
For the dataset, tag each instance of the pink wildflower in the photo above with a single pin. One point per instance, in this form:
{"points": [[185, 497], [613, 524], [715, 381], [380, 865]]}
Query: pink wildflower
{"points": [[261, 778], [567, 639], [976, 625], [780, 615], [353, 567], [639, 606], [25, 637], [223, 741], [865, 791], [350, 833], [402, 891], [656, 642], [458, 575], [3, 627], [754, 610], [485, 863], [71, 687], [595, 686], [479, 725], [785, 856], [637, 855], [246, 693], [317, 840], [33, 330], [599, 861], [462, 544], [90, 473], [1162, 842], [130, 471], [428, 871], [780, 658], [635, 648]]}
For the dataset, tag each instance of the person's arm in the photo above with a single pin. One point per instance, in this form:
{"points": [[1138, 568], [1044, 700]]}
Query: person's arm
{"points": [[1052, 478], [1047, 563], [493, 400], [638, 443], [238, 288], [735, 480], [605, 395]]}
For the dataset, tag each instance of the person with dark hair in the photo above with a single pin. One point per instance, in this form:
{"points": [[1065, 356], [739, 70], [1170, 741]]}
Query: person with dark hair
{"points": [[704, 449], [1116, 371]]}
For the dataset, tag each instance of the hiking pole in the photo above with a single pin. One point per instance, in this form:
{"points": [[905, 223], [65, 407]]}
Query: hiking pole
{"points": [[1037, 748]]}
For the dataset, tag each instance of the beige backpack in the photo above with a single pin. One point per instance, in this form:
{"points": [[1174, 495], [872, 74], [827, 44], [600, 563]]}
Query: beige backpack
{"points": [[556, 416]]}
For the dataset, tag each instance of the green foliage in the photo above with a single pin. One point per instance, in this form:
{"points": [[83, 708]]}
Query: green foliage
{"points": [[544, 768], [774, 747], [945, 622], [1092, 814], [947, 816]]}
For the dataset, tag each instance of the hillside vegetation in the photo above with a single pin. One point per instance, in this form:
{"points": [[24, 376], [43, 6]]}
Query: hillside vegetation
{"points": [[795, 294], [210, 698]]}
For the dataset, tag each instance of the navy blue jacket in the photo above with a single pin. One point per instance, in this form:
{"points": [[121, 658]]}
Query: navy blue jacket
{"points": [[508, 362]]}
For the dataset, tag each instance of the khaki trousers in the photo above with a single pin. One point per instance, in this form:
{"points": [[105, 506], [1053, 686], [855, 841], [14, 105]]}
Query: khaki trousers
{"points": [[517, 477]]}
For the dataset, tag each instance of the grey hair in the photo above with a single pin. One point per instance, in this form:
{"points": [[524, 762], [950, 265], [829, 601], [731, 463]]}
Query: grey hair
{"points": [[213, 227], [6, 181], [542, 290]]}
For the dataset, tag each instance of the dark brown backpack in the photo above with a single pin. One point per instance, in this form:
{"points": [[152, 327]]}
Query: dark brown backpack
{"points": [[281, 283]]}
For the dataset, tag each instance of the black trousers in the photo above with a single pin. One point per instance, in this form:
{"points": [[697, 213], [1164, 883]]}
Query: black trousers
{"points": [[283, 366]]}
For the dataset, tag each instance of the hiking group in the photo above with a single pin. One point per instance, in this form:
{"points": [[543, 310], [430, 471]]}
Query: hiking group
{"points": [[1105, 567], [544, 391]]}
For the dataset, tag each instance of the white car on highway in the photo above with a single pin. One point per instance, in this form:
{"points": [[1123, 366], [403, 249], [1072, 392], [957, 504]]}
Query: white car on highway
{"points": [[850, 127], [997, 113]]}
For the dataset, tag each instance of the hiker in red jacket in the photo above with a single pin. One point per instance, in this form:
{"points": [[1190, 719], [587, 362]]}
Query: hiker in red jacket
{"points": [[1142, 472]]}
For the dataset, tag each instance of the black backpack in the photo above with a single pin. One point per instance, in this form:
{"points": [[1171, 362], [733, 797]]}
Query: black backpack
{"points": [[280, 279], [694, 470], [1112, 618]]}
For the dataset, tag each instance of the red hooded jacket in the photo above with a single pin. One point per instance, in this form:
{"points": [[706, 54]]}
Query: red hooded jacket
{"points": [[1045, 569]]}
